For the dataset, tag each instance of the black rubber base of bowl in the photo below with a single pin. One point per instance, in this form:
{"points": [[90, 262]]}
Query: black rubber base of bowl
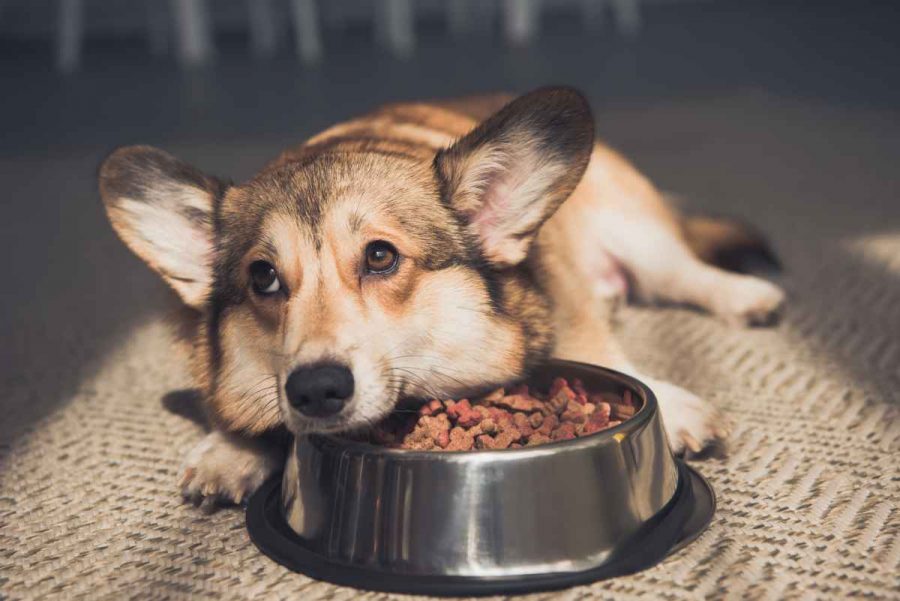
{"points": [[677, 524]]}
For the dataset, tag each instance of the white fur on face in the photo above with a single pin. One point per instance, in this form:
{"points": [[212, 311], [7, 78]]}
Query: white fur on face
{"points": [[247, 385], [444, 343]]}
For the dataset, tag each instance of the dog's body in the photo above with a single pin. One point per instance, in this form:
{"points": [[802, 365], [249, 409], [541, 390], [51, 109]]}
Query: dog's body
{"points": [[426, 249]]}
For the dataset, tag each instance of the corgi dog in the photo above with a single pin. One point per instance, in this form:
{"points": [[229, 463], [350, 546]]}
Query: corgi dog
{"points": [[423, 250]]}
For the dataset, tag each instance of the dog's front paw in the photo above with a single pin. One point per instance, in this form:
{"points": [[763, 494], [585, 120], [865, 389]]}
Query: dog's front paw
{"points": [[691, 423], [225, 468], [751, 301]]}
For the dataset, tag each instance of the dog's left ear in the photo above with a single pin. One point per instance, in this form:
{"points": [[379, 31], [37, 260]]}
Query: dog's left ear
{"points": [[512, 172]]}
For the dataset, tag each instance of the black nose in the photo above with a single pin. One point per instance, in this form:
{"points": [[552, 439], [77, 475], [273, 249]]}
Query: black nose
{"points": [[319, 390]]}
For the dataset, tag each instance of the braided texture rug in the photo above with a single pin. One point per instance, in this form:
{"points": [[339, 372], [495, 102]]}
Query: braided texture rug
{"points": [[809, 492]]}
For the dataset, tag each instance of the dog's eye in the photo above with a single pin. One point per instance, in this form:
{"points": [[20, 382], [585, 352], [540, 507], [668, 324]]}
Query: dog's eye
{"points": [[264, 278], [381, 257]]}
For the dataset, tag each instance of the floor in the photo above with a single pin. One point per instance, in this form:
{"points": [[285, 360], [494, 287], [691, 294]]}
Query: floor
{"points": [[779, 113]]}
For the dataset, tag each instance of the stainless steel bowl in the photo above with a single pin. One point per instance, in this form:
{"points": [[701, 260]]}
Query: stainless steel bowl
{"points": [[485, 522]]}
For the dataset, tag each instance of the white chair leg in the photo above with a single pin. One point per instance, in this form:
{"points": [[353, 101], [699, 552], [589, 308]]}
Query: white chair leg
{"points": [[195, 45], [484, 15], [305, 15], [460, 16], [69, 34], [628, 15], [263, 34], [157, 27], [592, 12], [394, 26], [520, 20]]}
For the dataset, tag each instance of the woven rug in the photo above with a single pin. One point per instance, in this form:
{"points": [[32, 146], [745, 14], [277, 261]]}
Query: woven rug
{"points": [[808, 493]]}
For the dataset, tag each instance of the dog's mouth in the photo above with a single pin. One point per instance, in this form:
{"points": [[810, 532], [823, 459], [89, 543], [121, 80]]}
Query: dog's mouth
{"points": [[300, 425], [357, 415]]}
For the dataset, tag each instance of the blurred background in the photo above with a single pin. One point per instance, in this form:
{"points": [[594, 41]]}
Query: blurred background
{"points": [[781, 112]]}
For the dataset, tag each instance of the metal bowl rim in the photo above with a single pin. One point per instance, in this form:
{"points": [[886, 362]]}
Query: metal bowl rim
{"points": [[635, 422]]}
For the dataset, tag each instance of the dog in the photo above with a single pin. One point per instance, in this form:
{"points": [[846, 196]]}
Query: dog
{"points": [[426, 249]]}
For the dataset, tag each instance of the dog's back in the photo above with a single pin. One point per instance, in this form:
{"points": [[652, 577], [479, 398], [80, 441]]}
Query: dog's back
{"points": [[416, 130]]}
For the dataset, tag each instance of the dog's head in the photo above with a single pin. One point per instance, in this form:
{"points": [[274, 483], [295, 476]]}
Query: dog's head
{"points": [[332, 287]]}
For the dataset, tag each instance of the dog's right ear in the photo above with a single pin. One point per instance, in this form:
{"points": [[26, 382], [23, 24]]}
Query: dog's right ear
{"points": [[162, 209]]}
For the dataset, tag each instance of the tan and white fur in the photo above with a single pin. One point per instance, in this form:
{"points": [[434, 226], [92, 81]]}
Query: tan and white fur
{"points": [[512, 233]]}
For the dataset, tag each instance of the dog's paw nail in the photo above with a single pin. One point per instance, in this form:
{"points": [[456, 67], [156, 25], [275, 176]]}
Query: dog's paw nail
{"points": [[691, 443], [724, 429], [186, 477], [192, 497], [209, 504]]}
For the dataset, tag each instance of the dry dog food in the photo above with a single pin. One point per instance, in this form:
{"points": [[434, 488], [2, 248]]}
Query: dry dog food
{"points": [[504, 419]]}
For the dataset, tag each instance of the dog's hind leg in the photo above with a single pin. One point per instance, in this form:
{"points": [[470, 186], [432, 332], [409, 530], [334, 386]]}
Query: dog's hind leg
{"points": [[617, 219], [663, 267]]}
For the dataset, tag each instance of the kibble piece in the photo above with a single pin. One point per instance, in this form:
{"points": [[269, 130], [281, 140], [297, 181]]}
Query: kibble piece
{"points": [[548, 425], [573, 415], [494, 395], [578, 386], [621, 411], [500, 441], [598, 420], [518, 402], [443, 439], [522, 424], [429, 432], [460, 440], [432, 407], [558, 402], [418, 440], [537, 439], [565, 431]]}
